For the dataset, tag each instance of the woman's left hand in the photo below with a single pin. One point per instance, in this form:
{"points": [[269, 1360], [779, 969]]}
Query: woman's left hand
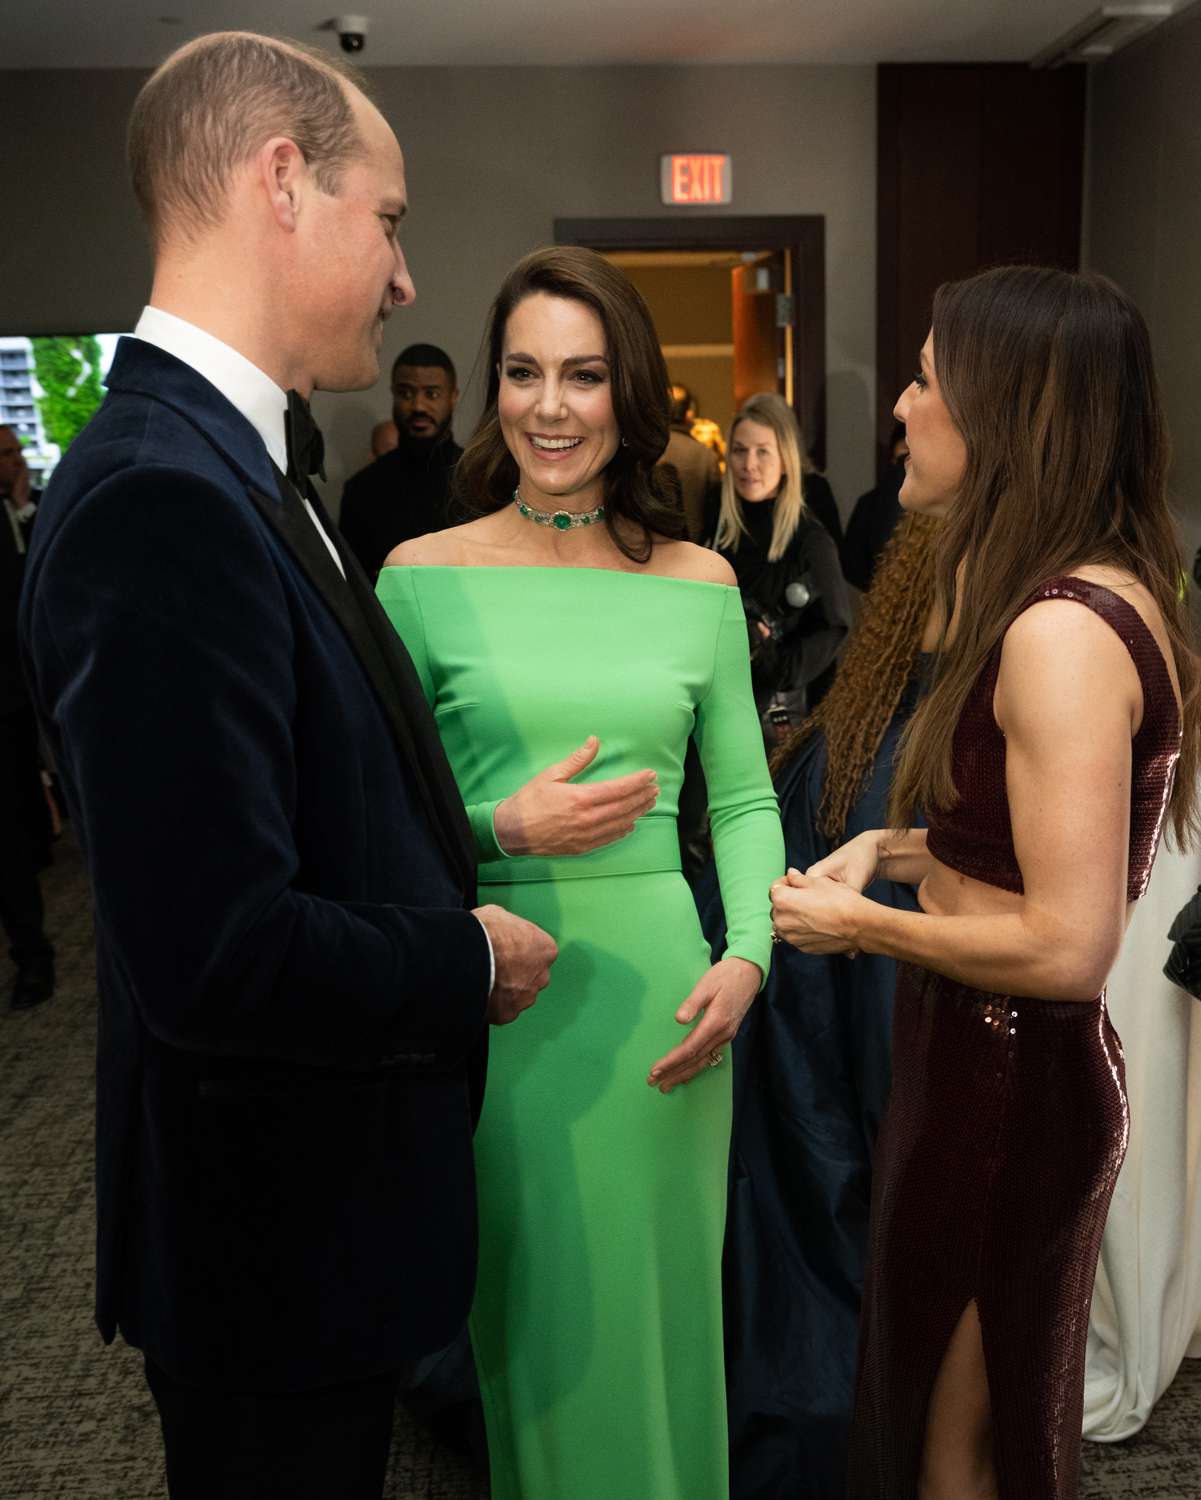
{"points": [[816, 914], [724, 993]]}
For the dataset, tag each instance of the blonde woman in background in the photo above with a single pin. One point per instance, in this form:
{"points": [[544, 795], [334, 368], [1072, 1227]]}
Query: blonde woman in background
{"points": [[796, 601]]}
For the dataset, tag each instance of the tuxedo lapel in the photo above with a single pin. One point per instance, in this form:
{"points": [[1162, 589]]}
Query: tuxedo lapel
{"points": [[388, 666], [409, 692]]}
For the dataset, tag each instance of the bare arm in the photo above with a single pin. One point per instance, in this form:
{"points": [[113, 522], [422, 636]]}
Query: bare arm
{"points": [[878, 854], [1068, 699]]}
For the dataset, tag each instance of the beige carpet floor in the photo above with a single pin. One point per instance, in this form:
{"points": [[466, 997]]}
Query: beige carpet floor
{"points": [[76, 1421]]}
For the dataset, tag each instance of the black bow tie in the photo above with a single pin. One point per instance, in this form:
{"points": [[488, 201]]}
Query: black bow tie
{"points": [[306, 446]]}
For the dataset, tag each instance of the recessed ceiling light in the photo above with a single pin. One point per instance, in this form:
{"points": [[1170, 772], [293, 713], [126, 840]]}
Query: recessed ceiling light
{"points": [[1105, 32]]}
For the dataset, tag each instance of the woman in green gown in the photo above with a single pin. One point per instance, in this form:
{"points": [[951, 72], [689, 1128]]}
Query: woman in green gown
{"points": [[573, 611]]}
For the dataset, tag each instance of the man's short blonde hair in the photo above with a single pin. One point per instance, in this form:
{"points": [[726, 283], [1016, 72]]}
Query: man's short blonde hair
{"points": [[213, 103]]}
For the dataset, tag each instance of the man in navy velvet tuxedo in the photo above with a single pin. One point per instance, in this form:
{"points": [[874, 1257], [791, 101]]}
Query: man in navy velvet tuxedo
{"points": [[294, 989]]}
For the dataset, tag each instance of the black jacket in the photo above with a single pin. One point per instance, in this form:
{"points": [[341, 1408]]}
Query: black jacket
{"points": [[873, 521], [403, 494], [292, 995], [820, 501], [804, 640], [14, 696]]}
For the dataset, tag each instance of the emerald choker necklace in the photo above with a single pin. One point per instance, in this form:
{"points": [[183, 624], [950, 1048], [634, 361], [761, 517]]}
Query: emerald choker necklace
{"points": [[561, 520]]}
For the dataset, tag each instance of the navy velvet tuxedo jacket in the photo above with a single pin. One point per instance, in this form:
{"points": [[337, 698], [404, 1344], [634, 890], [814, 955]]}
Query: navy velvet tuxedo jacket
{"points": [[292, 991]]}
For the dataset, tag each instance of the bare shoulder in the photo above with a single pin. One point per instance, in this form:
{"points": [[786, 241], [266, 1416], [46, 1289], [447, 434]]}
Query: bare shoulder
{"points": [[1062, 663], [697, 564], [419, 551], [437, 549], [1139, 596], [1060, 631]]}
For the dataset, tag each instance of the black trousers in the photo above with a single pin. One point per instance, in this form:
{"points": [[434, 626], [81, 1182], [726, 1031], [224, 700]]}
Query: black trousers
{"points": [[330, 1444], [24, 835]]}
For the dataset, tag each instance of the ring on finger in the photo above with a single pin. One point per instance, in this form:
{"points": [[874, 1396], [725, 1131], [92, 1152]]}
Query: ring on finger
{"points": [[715, 1059]]}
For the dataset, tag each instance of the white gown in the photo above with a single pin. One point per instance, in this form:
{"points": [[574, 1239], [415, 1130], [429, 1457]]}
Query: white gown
{"points": [[1146, 1312]]}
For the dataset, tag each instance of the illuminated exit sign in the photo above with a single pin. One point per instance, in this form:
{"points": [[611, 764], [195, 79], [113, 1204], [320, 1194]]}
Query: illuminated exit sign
{"points": [[696, 179]]}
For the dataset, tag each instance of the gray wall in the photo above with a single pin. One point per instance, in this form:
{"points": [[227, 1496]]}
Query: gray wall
{"points": [[1143, 219], [494, 156]]}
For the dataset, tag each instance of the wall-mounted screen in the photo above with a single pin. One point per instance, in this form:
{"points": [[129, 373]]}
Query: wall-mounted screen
{"points": [[49, 387]]}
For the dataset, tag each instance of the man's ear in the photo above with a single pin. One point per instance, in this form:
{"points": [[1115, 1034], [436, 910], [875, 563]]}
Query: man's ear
{"points": [[284, 176]]}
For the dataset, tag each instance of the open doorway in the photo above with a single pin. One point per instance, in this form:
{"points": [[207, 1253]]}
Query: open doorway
{"points": [[738, 303], [720, 319]]}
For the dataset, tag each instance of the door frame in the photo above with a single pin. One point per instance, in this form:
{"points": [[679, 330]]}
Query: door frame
{"points": [[801, 236]]}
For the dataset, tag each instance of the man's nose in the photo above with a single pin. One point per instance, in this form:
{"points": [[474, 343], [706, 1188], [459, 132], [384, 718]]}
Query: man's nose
{"points": [[404, 293]]}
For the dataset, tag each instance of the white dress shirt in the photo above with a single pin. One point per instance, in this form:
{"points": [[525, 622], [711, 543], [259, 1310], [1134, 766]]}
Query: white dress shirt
{"points": [[15, 516], [259, 400], [242, 384]]}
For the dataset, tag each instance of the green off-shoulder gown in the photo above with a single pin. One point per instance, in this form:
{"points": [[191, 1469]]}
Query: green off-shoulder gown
{"points": [[597, 1319]]}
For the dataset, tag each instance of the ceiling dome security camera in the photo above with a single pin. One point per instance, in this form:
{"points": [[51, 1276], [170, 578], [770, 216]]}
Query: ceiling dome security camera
{"points": [[352, 32]]}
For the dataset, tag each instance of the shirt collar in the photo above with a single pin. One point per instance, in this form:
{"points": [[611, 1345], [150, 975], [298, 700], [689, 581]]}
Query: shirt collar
{"points": [[243, 384]]}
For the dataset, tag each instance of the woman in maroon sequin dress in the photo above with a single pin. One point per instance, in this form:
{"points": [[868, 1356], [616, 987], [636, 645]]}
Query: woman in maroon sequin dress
{"points": [[1045, 755]]}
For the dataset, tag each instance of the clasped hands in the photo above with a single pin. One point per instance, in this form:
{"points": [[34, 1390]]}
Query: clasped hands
{"points": [[822, 910]]}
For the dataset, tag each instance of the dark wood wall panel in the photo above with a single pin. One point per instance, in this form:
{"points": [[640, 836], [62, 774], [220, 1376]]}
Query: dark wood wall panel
{"points": [[979, 164]]}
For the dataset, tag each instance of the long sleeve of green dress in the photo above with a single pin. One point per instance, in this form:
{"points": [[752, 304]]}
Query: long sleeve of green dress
{"points": [[744, 815]]}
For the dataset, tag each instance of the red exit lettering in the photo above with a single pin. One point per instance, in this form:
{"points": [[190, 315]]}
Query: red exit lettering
{"points": [[696, 179]]}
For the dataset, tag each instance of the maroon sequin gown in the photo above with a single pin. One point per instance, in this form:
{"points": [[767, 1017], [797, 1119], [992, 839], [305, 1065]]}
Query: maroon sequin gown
{"points": [[998, 1155]]}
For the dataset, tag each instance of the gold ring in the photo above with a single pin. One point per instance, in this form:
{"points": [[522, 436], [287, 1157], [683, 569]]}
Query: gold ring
{"points": [[715, 1059]]}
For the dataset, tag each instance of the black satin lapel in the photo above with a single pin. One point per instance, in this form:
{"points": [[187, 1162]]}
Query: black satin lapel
{"points": [[421, 725], [287, 516], [403, 709]]}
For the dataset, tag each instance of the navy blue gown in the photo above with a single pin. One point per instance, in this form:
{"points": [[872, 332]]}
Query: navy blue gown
{"points": [[811, 1074]]}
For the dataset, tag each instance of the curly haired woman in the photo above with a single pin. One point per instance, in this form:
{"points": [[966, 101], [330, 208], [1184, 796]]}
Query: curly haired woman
{"points": [[811, 1071]]}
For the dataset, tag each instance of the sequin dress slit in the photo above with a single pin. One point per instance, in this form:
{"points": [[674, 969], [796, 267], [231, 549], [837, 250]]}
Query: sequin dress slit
{"points": [[1006, 1127]]}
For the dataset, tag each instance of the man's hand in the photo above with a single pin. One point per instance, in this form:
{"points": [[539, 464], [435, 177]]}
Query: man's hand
{"points": [[523, 954], [550, 816]]}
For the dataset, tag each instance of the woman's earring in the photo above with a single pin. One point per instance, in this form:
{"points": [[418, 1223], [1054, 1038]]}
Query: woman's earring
{"points": [[625, 442]]}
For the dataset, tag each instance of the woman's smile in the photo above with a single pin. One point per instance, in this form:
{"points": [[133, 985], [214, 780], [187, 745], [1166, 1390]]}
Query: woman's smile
{"points": [[552, 449]]}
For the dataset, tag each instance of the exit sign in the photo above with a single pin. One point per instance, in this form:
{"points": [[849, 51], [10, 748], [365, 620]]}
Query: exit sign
{"points": [[696, 178]]}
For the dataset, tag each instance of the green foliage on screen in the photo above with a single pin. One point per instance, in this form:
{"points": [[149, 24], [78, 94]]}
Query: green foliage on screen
{"points": [[68, 371]]}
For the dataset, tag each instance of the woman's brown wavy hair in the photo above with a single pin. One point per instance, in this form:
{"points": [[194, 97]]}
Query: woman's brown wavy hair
{"points": [[638, 504], [876, 666], [1049, 379]]}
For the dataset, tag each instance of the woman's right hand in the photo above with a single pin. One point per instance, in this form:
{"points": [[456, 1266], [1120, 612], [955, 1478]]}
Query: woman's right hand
{"points": [[549, 816], [855, 863]]}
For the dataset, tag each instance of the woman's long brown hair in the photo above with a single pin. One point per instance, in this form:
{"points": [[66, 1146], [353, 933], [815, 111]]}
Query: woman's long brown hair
{"points": [[875, 669], [1048, 377], [638, 504]]}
